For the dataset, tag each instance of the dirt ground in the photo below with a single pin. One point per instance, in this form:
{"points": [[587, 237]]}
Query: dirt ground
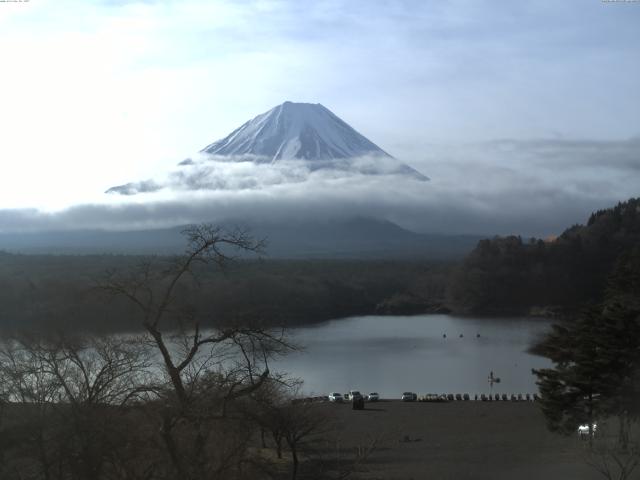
{"points": [[459, 440]]}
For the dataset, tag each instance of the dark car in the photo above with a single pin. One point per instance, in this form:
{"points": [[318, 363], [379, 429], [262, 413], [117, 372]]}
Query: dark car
{"points": [[409, 397]]}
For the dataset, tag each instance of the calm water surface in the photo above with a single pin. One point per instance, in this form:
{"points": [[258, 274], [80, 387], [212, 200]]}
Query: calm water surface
{"points": [[393, 354]]}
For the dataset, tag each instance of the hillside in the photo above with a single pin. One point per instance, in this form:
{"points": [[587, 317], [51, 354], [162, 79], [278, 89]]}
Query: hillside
{"points": [[512, 275], [348, 238], [58, 291]]}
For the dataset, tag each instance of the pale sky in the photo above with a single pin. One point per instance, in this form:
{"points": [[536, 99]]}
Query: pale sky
{"points": [[99, 93]]}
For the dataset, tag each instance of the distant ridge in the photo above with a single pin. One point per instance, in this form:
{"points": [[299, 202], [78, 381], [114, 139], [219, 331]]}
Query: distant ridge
{"points": [[356, 237]]}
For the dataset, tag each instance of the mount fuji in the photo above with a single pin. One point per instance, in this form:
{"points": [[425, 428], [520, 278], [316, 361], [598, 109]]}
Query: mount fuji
{"points": [[283, 141], [307, 132], [301, 138], [295, 130]]}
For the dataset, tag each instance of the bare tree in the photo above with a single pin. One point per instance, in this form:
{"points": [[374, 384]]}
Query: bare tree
{"points": [[300, 424], [31, 395], [69, 394], [169, 404], [306, 430], [208, 369]]}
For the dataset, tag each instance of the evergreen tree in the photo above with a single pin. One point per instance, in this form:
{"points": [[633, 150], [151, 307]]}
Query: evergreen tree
{"points": [[575, 390], [596, 358]]}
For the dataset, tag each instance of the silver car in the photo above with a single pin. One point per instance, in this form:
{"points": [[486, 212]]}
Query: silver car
{"points": [[336, 397]]}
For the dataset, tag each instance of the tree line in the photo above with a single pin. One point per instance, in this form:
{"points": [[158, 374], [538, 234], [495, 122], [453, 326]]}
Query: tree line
{"points": [[58, 292], [507, 275]]}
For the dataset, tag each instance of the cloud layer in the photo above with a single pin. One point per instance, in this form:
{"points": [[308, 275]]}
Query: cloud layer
{"points": [[534, 187], [137, 84], [249, 172]]}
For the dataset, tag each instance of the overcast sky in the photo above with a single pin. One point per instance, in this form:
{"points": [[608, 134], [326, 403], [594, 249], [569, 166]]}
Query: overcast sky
{"points": [[525, 115]]}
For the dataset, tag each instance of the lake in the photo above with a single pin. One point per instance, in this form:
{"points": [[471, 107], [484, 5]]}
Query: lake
{"points": [[394, 354]]}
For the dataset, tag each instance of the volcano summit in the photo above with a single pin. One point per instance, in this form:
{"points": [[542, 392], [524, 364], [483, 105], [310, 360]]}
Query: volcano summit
{"points": [[303, 131], [289, 137], [296, 130]]}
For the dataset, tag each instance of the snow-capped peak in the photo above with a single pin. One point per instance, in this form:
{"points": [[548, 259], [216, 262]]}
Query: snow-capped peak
{"points": [[305, 131], [296, 130], [301, 138]]}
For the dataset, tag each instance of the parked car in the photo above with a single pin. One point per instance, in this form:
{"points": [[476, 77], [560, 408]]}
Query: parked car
{"points": [[583, 430], [373, 397], [409, 397], [432, 397], [336, 397]]}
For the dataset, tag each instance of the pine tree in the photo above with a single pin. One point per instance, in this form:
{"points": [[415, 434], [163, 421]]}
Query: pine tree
{"points": [[576, 390], [596, 358]]}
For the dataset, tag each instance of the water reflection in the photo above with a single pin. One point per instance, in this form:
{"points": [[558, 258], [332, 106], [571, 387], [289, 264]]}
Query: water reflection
{"points": [[393, 354]]}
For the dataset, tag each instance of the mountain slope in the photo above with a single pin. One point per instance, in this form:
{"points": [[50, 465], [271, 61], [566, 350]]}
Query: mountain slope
{"points": [[287, 140], [511, 275], [296, 130], [309, 132]]}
